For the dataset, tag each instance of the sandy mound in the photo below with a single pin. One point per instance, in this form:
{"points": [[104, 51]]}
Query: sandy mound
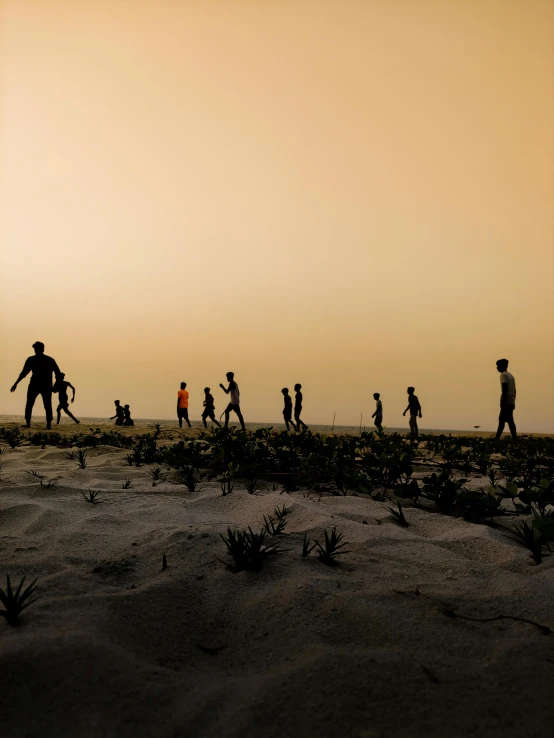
{"points": [[118, 647]]}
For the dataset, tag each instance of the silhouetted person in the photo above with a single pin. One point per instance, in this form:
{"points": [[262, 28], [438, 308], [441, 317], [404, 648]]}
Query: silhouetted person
{"points": [[60, 386], [119, 413], [287, 410], [42, 368], [415, 409], [507, 399], [127, 419], [234, 405], [298, 407], [183, 405], [209, 408], [378, 414]]}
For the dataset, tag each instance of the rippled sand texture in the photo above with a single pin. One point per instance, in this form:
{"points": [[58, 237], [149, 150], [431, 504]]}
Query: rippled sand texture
{"points": [[118, 647]]}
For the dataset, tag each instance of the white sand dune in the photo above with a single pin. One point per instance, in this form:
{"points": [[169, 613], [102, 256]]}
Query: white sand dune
{"points": [[116, 647]]}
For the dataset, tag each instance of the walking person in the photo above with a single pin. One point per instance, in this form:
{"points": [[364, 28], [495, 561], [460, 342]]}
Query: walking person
{"points": [[119, 413], [378, 414], [298, 408], [41, 367], [183, 405], [209, 408], [287, 410], [507, 399], [234, 404], [60, 386], [415, 409]]}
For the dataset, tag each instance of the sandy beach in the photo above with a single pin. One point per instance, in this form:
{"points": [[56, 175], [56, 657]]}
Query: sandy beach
{"points": [[117, 647]]}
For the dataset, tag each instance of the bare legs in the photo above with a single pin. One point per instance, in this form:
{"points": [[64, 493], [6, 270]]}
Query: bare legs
{"points": [[66, 410]]}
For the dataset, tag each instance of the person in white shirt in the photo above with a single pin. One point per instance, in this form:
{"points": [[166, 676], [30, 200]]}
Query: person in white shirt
{"points": [[507, 399], [233, 390]]}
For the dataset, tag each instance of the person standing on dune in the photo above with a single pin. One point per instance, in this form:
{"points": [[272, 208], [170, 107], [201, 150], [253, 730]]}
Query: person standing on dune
{"points": [[415, 409], [41, 367], [234, 405], [183, 405], [300, 424], [287, 410], [507, 399]]}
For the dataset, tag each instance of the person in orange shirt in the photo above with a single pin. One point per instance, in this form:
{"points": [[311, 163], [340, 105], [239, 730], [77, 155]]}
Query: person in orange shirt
{"points": [[183, 405]]}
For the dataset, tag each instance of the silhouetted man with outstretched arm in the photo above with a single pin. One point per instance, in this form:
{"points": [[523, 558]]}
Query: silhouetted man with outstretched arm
{"points": [[41, 367], [233, 391], [507, 399]]}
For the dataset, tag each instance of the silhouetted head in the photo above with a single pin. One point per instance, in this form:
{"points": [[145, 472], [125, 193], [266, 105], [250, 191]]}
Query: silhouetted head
{"points": [[502, 365], [206, 390], [411, 390], [297, 387], [126, 407], [183, 385], [116, 402], [230, 376], [39, 347], [285, 390], [62, 375], [376, 395]]}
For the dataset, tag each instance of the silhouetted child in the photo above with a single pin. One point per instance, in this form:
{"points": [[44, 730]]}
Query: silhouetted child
{"points": [[378, 414], [128, 420], [298, 407], [415, 409], [119, 413], [287, 410], [209, 408], [60, 386], [234, 405], [183, 405], [507, 399]]}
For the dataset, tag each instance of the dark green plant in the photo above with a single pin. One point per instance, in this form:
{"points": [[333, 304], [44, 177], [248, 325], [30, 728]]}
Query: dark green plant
{"points": [[248, 549], [529, 537], [81, 458], [16, 601], [274, 526], [306, 548], [190, 477], [330, 549], [71, 455], [398, 515], [92, 497], [130, 459], [158, 474], [228, 479], [13, 437]]}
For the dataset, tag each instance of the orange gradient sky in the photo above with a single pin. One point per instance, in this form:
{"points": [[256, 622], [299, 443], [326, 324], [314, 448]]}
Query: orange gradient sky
{"points": [[352, 194]]}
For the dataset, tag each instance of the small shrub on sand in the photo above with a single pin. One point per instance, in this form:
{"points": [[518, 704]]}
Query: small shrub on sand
{"points": [[529, 537], [331, 546], [248, 549], [92, 497], [158, 474], [13, 437], [127, 483], [81, 458], [306, 548], [398, 516], [190, 476], [16, 601]]}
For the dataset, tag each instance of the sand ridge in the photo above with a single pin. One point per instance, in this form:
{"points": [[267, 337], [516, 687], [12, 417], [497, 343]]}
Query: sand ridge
{"points": [[118, 647]]}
